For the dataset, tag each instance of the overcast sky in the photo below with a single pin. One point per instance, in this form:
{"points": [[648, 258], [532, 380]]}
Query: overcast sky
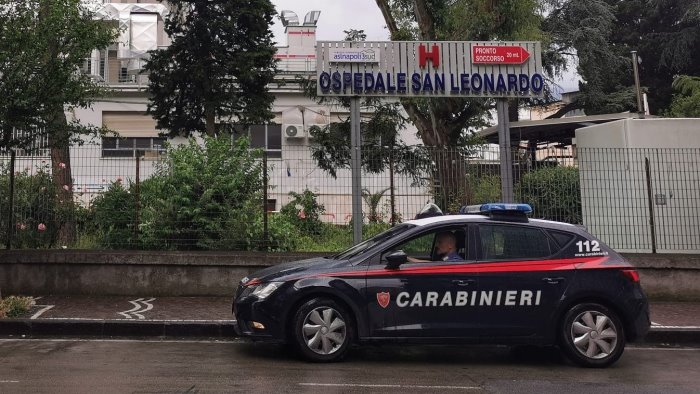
{"points": [[339, 15]]}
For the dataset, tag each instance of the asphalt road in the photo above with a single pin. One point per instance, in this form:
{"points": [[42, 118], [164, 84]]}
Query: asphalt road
{"points": [[105, 366]]}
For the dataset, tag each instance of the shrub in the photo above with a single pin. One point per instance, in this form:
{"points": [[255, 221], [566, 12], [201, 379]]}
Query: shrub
{"points": [[35, 207], [114, 215], [554, 193], [305, 212], [14, 306], [487, 189], [202, 196]]}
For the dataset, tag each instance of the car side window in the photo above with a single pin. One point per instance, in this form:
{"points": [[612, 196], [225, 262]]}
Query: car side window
{"points": [[425, 248], [503, 242]]}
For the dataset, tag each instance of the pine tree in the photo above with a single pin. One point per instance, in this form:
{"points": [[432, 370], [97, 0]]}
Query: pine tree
{"points": [[218, 66]]}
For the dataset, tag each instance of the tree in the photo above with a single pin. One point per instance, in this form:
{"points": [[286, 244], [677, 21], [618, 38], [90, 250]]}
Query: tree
{"points": [[447, 122], [686, 101], [218, 66], [44, 42], [601, 34]]}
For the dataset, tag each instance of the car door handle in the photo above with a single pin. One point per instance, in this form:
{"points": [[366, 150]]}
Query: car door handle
{"points": [[553, 281], [460, 282]]}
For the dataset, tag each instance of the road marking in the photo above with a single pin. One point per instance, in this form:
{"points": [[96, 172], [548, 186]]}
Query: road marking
{"points": [[9, 381], [665, 349], [42, 310], [217, 341], [390, 386], [686, 327], [141, 305], [149, 320]]}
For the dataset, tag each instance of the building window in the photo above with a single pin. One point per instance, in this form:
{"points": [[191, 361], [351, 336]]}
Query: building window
{"points": [[268, 137], [34, 143], [124, 76], [132, 146]]}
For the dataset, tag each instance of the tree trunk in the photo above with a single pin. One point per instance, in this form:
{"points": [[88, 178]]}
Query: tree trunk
{"points": [[59, 142], [210, 119]]}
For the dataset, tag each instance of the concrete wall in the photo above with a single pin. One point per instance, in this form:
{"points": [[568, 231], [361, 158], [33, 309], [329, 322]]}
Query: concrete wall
{"points": [[664, 277]]}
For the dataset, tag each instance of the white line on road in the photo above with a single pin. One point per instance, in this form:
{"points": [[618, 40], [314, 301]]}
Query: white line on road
{"points": [[9, 381], [390, 386], [141, 305], [149, 320], [685, 327], [149, 306], [225, 341], [42, 310], [665, 349]]}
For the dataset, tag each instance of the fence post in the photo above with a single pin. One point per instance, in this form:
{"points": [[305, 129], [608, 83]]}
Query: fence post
{"points": [[392, 196], [647, 170], [11, 216], [137, 191], [356, 169], [265, 224]]}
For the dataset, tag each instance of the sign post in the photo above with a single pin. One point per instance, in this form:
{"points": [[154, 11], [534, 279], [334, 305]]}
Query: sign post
{"points": [[356, 168], [429, 69], [505, 151]]}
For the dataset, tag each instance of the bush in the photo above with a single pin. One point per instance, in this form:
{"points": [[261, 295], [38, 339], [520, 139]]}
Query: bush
{"points": [[487, 189], [114, 215], [14, 306], [554, 193], [305, 212], [35, 207], [202, 197]]}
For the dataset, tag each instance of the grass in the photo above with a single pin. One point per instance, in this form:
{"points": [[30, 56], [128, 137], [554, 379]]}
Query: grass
{"points": [[14, 306]]}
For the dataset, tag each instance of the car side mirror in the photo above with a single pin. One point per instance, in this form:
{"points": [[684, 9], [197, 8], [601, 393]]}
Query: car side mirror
{"points": [[395, 259]]}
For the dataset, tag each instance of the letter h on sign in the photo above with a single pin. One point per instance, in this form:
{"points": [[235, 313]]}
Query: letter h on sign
{"points": [[424, 56]]}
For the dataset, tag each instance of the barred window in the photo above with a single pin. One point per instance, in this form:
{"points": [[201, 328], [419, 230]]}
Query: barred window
{"points": [[132, 146], [35, 143], [268, 137]]}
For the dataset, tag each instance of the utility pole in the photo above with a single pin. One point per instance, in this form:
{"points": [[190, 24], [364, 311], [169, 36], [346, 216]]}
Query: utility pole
{"points": [[641, 111]]}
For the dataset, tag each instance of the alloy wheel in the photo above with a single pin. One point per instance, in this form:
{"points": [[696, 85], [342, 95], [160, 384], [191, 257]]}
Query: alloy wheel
{"points": [[594, 334], [324, 330]]}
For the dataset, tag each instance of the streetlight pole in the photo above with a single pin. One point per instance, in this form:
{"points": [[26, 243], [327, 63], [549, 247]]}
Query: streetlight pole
{"points": [[640, 103]]}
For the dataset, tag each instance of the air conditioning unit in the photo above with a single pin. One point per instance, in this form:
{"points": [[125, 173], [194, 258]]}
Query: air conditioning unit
{"points": [[294, 131]]}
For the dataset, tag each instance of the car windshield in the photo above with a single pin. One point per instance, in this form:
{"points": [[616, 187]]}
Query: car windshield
{"points": [[377, 239]]}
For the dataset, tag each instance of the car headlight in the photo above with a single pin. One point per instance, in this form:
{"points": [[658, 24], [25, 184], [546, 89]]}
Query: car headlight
{"points": [[265, 289]]}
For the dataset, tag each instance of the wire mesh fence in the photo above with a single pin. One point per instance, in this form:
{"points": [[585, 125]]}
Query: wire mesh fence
{"points": [[224, 196]]}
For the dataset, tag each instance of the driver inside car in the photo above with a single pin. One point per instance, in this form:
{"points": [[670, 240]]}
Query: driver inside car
{"points": [[445, 247]]}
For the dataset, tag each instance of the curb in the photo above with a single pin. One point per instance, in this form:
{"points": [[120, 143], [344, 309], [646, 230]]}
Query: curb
{"points": [[117, 328], [677, 335]]}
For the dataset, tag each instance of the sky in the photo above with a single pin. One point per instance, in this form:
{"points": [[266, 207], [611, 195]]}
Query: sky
{"points": [[339, 15]]}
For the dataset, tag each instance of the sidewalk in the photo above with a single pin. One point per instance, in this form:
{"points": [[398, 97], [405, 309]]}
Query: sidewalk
{"points": [[672, 322]]}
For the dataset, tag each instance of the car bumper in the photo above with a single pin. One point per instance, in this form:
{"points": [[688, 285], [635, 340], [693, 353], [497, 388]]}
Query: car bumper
{"points": [[255, 319], [639, 320]]}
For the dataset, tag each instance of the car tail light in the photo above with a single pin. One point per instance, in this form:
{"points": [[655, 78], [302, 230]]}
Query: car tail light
{"points": [[633, 275]]}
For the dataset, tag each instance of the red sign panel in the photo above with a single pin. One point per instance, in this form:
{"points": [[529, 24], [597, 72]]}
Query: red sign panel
{"points": [[493, 54]]}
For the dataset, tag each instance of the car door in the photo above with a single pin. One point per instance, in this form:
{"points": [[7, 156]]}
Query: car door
{"points": [[422, 299], [520, 284]]}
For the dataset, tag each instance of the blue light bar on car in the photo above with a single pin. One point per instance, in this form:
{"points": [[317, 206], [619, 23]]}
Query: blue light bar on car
{"points": [[497, 207]]}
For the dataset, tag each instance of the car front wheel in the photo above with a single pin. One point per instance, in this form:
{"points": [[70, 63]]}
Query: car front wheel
{"points": [[592, 335], [322, 330]]}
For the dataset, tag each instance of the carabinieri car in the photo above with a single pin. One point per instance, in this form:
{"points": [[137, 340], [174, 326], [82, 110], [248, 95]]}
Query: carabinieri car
{"points": [[490, 277]]}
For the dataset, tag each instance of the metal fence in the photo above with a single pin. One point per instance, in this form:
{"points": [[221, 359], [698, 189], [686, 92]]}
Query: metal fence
{"points": [[635, 200]]}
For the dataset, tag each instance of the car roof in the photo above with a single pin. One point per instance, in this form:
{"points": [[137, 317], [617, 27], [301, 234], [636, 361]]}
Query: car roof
{"points": [[477, 218]]}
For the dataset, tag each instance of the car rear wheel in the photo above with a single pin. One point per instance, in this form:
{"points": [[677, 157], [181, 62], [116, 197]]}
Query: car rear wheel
{"points": [[592, 335], [322, 330]]}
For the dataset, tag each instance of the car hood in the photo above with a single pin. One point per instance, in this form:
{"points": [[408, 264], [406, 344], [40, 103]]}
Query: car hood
{"points": [[295, 269]]}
